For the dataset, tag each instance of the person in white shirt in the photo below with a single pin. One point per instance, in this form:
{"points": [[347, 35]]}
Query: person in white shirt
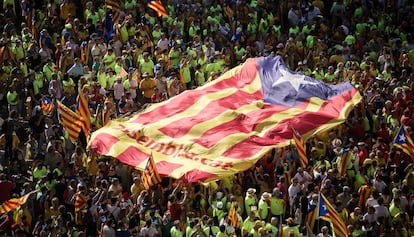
{"points": [[380, 209], [108, 230], [370, 216], [293, 191], [303, 177]]}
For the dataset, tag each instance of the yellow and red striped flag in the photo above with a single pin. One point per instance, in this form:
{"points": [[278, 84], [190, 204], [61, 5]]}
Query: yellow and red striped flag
{"points": [[72, 121], [123, 73], [14, 203], [227, 125], [343, 163], [80, 202], [114, 5], [82, 108], [150, 176], [311, 218], [327, 212], [233, 217], [157, 6], [300, 146]]}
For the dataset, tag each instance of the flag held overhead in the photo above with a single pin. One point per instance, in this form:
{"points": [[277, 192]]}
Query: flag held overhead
{"points": [[227, 125]]}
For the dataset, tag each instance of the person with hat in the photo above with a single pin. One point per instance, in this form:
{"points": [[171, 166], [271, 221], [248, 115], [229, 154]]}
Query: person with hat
{"points": [[264, 206], [147, 86], [250, 201], [218, 212]]}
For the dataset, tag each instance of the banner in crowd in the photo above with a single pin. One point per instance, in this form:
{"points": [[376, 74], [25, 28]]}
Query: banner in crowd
{"points": [[226, 126]]}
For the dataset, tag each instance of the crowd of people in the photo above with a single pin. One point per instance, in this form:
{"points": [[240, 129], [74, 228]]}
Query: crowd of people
{"points": [[51, 50]]}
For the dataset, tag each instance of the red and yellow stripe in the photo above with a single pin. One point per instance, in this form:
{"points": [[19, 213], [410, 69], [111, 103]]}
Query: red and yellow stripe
{"points": [[72, 121]]}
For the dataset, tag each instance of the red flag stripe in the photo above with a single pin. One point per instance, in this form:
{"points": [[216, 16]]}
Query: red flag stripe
{"points": [[208, 113], [70, 120], [179, 104], [280, 133], [343, 163], [83, 110], [158, 7]]}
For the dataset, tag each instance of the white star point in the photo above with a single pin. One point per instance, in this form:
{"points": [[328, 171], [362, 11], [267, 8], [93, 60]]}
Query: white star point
{"points": [[296, 80]]}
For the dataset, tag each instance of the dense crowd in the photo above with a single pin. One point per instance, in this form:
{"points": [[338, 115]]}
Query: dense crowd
{"points": [[51, 50]]}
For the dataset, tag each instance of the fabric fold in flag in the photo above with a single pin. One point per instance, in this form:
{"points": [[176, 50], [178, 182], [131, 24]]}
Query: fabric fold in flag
{"points": [[403, 141], [150, 176], [72, 121], [157, 6], [227, 125], [14, 203]]}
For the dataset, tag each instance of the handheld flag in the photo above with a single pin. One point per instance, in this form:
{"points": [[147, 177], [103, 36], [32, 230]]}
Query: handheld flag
{"points": [[47, 105], [83, 110], [300, 146], [279, 227], [403, 141], [157, 6], [327, 212], [343, 162], [14, 203], [123, 73], [114, 5], [234, 219], [225, 126], [150, 175], [70, 120], [80, 202], [311, 218]]}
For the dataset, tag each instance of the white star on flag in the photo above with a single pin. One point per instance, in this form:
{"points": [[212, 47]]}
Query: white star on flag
{"points": [[402, 138], [296, 80]]}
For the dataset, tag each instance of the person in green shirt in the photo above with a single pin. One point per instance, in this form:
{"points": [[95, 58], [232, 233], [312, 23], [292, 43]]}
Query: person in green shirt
{"points": [[395, 207], [272, 226], [222, 232], [209, 229], [277, 204], [176, 231], [248, 223], [48, 69], [146, 64], [291, 228], [109, 59], [264, 205], [12, 99]]}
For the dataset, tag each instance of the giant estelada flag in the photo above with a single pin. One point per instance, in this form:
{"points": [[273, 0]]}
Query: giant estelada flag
{"points": [[225, 126]]}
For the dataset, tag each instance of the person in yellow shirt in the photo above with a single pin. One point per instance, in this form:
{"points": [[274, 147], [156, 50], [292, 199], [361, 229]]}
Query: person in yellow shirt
{"points": [[147, 86], [291, 229]]}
